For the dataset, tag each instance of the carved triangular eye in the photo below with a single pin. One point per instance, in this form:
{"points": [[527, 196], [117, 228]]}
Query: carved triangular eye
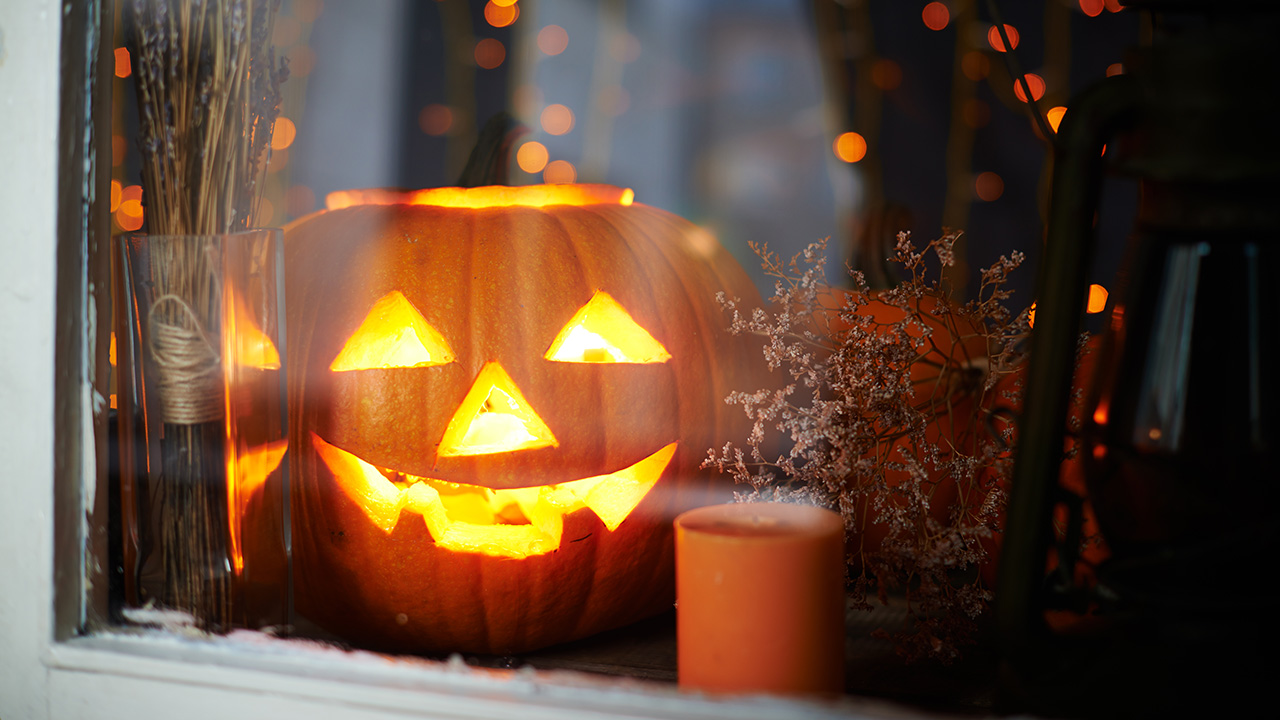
{"points": [[393, 335], [602, 332]]}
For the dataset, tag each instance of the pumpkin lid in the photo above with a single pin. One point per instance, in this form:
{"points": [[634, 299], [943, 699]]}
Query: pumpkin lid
{"points": [[487, 196]]}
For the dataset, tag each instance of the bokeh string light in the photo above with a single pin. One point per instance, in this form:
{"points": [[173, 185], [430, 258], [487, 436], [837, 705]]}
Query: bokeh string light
{"points": [[935, 16], [850, 147], [532, 157], [499, 15], [553, 40], [997, 42], [490, 53]]}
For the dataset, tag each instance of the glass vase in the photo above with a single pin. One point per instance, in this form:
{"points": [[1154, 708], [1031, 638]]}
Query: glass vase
{"points": [[202, 426]]}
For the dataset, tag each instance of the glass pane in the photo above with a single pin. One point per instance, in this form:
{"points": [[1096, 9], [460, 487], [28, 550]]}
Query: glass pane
{"points": [[483, 352]]}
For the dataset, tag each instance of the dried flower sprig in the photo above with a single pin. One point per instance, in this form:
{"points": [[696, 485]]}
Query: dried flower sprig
{"points": [[891, 414]]}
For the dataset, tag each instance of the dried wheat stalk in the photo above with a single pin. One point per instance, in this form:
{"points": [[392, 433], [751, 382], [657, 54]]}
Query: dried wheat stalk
{"points": [[208, 95]]}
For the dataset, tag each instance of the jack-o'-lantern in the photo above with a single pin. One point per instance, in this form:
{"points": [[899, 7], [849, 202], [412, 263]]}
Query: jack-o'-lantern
{"points": [[499, 399]]}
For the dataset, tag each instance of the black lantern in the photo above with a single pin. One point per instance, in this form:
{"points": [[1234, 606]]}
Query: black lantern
{"points": [[1181, 435]]}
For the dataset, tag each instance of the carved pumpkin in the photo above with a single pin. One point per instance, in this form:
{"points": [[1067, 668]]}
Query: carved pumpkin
{"points": [[500, 397]]}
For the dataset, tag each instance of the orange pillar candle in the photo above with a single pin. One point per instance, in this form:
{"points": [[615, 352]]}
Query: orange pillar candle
{"points": [[760, 598]]}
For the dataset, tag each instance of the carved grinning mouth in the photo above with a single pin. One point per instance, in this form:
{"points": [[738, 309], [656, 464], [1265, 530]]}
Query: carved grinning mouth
{"points": [[512, 523]]}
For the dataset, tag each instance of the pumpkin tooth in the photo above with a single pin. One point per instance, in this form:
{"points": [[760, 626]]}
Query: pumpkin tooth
{"points": [[516, 522], [499, 540], [377, 496], [615, 495]]}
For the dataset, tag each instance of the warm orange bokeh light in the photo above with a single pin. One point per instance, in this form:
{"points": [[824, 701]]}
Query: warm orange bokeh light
{"points": [[128, 222], [435, 119], [490, 53], [988, 186], [512, 523], [504, 3], [131, 208], [559, 171], [116, 193], [997, 43], [1096, 304], [1092, 8], [499, 15], [552, 40], [1054, 116], [393, 335], [1113, 6], [850, 147], [935, 16], [1115, 69], [557, 119], [1097, 299], [486, 197], [532, 157], [1101, 413], [283, 133], [123, 67], [494, 417], [603, 332], [1035, 82], [886, 74]]}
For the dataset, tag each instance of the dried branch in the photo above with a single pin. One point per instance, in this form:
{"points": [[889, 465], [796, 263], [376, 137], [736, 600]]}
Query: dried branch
{"points": [[887, 413]]}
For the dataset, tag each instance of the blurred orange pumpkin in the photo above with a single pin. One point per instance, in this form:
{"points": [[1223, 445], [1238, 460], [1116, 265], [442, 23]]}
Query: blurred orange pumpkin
{"points": [[947, 379]]}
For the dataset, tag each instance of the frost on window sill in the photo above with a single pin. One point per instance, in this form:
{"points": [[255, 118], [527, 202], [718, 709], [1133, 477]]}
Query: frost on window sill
{"points": [[166, 648]]}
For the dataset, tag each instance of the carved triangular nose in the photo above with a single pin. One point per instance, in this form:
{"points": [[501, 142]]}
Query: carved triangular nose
{"points": [[494, 417]]}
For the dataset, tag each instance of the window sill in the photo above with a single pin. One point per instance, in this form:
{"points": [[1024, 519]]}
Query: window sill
{"points": [[150, 672]]}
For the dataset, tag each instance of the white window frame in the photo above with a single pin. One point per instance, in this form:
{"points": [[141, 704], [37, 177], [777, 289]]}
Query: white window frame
{"points": [[49, 666]]}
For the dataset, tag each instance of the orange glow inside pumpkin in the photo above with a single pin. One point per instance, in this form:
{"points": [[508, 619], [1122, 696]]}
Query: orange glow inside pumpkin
{"points": [[494, 417], [393, 335], [514, 523], [486, 197], [601, 331]]}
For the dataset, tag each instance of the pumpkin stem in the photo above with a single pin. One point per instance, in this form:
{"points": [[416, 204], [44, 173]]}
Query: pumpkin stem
{"points": [[489, 159]]}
